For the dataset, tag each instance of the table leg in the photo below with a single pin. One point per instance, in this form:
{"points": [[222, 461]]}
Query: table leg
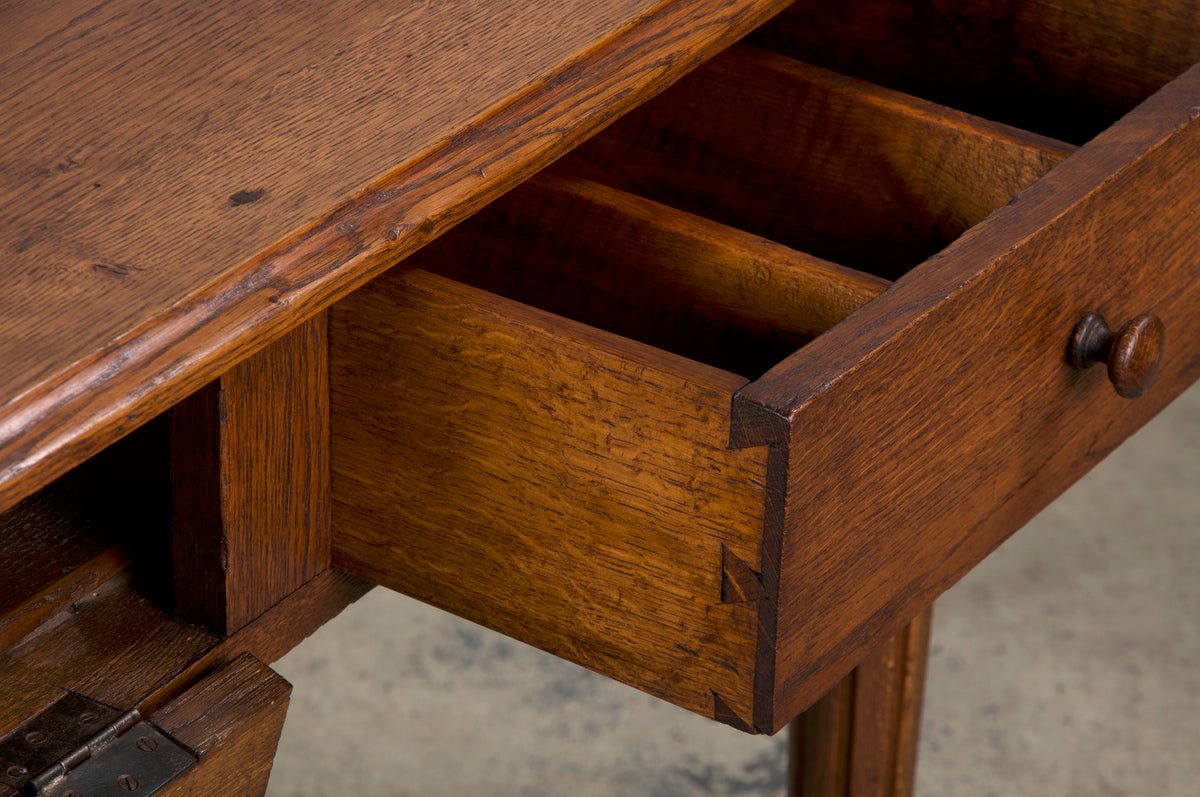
{"points": [[250, 476], [860, 740]]}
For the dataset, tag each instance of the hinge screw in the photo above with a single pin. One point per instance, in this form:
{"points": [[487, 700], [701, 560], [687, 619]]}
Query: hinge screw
{"points": [[127, 782], [147, 744], [89, 718], [16, 771], [35, 737]]}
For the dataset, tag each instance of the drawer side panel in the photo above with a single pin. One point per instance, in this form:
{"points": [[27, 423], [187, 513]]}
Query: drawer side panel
{"points": [[563, 486]]}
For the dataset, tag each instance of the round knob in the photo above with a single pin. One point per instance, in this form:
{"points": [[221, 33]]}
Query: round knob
{"points": [[1133, 355]]}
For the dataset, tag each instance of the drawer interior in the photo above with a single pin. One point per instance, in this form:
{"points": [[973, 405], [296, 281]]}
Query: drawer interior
{"points": [[1066, 69], [649, 272], [841, 169]]}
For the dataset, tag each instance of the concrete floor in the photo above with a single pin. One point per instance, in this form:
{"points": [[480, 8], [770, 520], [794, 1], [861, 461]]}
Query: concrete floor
{"points": [[1067, 664]]}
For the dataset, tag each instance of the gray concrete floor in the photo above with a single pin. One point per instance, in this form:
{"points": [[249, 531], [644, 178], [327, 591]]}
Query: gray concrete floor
{"points": [[1067, 664]]}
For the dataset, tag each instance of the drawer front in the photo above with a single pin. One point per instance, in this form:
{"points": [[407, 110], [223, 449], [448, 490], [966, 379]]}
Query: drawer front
{"points": [[925, 429]]}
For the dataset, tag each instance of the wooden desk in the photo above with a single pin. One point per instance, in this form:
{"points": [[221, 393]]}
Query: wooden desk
{"points": [[723, 521]]}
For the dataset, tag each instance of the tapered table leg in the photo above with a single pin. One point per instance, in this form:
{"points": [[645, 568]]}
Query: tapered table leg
{"points": [[860, 740]]}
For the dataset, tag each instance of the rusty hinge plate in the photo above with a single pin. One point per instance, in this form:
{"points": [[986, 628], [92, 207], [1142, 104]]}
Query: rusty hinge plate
{"points": [[44, 739], [140, 760], [112, 757]]}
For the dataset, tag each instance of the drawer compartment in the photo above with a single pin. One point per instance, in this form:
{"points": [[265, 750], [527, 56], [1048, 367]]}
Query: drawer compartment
{"points": [[563, 484], [851, 172], [600, 420], [650, 272]]}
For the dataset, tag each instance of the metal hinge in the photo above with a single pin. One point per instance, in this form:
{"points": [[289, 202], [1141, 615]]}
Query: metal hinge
{"points": [[67, 752]]}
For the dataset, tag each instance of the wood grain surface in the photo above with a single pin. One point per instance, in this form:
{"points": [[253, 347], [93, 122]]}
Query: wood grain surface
{"points": [[861, 739], [113, 645], [1066, 68], [232, 720], [933, 423], [250, 482], [860, 175], [181, 187], [562, 485], [117, 647], [649, 272]]}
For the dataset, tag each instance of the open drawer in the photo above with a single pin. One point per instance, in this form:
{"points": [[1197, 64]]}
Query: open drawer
{"points": [[621, 416]]}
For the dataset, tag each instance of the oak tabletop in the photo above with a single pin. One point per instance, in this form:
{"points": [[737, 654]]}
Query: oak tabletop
{"points": [[183, 182]]}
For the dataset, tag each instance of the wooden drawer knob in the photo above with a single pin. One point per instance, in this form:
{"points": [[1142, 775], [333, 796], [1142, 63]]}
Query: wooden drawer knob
{"points": [[1133, 355]]}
